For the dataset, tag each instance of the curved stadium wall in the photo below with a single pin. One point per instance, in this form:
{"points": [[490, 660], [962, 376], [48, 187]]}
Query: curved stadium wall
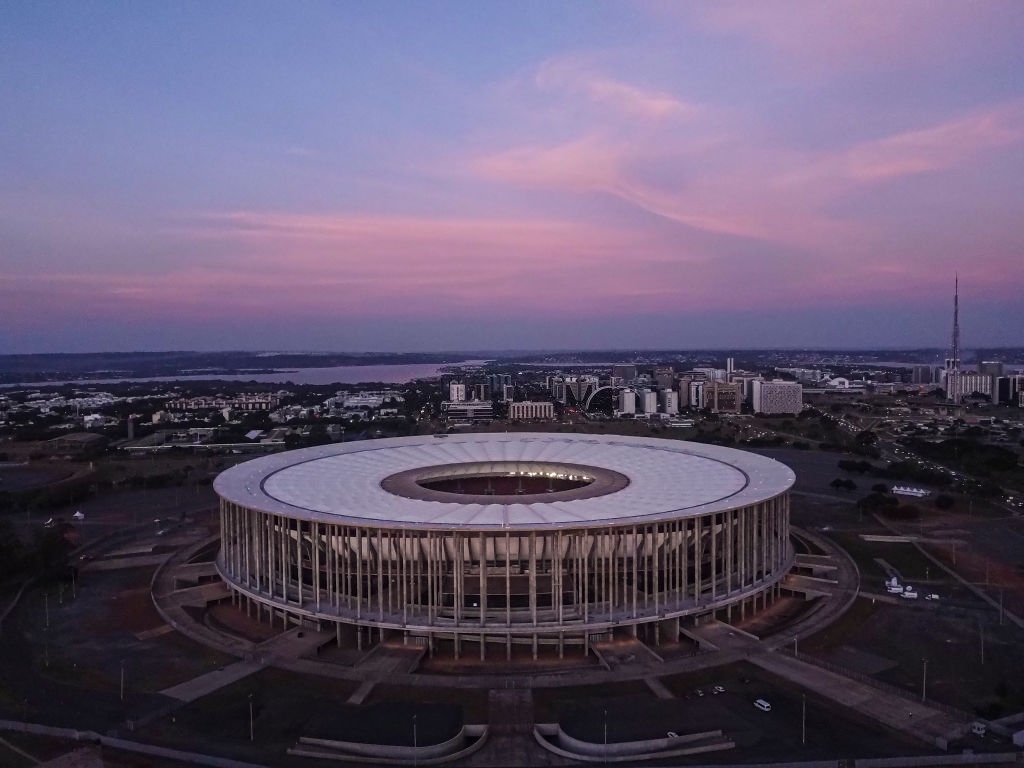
{"points": [[500, 540]]}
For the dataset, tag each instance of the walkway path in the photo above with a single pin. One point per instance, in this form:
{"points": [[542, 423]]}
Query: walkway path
{"points": [[206, 684], [898, 712]]}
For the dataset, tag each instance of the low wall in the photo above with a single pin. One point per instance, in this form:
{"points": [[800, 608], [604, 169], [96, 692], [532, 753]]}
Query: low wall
{"points": [[391, 751], [542, 734], [630, 748]]}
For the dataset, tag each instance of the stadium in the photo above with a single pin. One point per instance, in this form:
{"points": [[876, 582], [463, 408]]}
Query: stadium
{"points": [[486, 543]]}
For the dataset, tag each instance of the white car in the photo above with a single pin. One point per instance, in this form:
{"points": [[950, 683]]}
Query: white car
{"points": [[931, 596]]}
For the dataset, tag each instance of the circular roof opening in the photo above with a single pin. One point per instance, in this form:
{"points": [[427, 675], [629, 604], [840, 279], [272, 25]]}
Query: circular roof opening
{"points": [[504, 482]]}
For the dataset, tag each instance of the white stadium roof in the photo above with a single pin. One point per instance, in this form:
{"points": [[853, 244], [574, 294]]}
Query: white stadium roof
{"points": [[342, 483]]}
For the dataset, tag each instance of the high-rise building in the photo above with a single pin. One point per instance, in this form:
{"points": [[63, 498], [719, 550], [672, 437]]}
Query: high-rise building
{"points": [[971, 383], [722, 397], [1005, 389], [990, 368], [499, 380], [696, 394], [625, 372], [777, 397], [669, 401], [684, 391], [663, 376], [558, 389], [573, 390], [712, 374], [627, 401], [647, 402], [922, 374], [457, 392], [746, 384]]}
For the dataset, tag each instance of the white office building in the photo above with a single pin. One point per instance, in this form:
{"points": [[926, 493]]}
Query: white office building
{"points": [[627, 401], [457, 392], [648, 401], [771, 397], [669, 401], [696, 399]]}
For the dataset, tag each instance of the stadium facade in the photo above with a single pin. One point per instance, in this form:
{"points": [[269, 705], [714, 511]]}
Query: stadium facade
{"points": [[482, 543]]}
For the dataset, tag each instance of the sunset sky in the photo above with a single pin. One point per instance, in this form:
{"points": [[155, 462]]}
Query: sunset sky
{"points": [[390, 176]]}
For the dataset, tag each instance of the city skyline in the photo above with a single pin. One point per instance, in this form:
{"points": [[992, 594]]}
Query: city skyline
{"points": [[457, 176]]}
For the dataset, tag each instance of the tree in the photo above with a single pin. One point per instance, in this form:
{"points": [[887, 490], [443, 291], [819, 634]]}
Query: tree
{"points": [[866, 438], [944, 501], [880, 488]]}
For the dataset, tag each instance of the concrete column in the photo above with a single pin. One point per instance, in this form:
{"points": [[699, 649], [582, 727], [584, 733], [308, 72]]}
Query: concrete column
{"points": [[380, 577], [359, 573], [315, 542], [635, 554], [298, 557], [483, 588], [533, 578], [460, 575], [714, 557]]}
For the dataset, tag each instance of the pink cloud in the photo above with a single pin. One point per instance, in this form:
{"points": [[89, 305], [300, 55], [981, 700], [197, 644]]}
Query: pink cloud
{"points": [[813, 38], [585, 165], [573, 76], [736, 185], [942, 146], [359, 266]]}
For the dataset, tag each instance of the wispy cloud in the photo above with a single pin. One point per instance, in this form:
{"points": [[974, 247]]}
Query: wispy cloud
{"points": [[817, 39], [740, 185], [575, 77]]}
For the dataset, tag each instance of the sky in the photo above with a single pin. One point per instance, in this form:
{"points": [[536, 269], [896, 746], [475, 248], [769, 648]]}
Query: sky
{"points": [[403, 176]]}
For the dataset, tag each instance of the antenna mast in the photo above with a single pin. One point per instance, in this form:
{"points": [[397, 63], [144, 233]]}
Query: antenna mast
{"points": [[953, 375]]}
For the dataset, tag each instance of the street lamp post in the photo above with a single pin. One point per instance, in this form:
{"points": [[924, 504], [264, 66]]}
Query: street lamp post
{"points": [[924, 679], [252, 733], [122, 679], [803, 719], [415, 742]]}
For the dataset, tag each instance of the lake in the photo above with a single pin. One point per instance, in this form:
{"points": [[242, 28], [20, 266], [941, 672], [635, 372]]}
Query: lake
{"points": [[342, 374]]}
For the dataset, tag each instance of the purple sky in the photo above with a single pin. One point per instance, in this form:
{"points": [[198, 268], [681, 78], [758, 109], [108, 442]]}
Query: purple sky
{"points": [[417, 176]]}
